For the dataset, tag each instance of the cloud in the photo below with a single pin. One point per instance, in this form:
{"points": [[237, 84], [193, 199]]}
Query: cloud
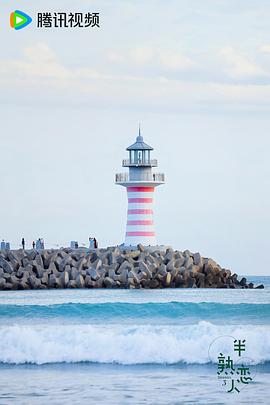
{"points": [[175, 60], [160, 58], [142, 55], [41, 72], [116, 57], [237, 66], [265, 48], [40, 61]]}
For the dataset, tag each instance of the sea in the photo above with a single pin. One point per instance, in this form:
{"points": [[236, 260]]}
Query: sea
{"points": [[169, 346]]}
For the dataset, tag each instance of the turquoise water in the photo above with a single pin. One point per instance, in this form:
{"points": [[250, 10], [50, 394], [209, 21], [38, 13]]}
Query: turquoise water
{"points": [[130, 346], [167, 312]]}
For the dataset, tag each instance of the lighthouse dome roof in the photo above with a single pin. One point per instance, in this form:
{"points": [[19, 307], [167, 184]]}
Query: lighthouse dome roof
{"points": [[139, 144]]}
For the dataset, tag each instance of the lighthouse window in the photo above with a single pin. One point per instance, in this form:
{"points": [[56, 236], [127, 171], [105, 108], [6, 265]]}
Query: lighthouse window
{"points": [[132, 157]]}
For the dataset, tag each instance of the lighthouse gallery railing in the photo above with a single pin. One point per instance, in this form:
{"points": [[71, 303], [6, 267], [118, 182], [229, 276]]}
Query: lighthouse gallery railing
{"points": [[124, 177], [128, 162]]}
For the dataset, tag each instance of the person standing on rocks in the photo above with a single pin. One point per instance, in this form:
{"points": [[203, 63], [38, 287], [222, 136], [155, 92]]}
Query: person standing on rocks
{"points": [[38, 244], [33, 244], [95, 243], [91, 243], [23, 243]]}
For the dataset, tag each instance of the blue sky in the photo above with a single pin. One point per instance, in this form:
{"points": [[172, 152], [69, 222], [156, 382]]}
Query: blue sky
{"points": [[195, 74]]}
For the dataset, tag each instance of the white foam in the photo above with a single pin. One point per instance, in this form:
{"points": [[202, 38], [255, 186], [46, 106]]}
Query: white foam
{"points": [[138, 344]]}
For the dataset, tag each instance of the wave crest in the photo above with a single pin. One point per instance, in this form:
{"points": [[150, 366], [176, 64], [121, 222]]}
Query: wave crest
{"points": [[138, 344], [116, 310]]}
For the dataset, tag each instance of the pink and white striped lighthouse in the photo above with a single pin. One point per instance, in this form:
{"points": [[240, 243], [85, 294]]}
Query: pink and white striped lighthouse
{"points": [[140, 183]]}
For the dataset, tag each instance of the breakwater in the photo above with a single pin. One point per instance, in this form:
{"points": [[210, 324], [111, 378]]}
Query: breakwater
{"points": [[113, 268]]}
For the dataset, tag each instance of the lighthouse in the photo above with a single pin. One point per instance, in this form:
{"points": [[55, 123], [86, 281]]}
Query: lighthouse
{"points": [[140, 182]]}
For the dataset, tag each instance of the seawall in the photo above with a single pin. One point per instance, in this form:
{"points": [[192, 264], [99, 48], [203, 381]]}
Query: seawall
{"points": [[112, 268]]}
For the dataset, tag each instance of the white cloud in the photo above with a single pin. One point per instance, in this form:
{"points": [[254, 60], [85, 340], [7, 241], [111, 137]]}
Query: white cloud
{"points": [[170, 59], [175, 60], [265, 48], [39, 68], [40, 62], [37, 61], [142, 55], [238, 66], [116, 57]]}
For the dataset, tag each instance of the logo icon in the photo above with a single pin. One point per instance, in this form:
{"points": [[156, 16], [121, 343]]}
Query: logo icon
{"points": [[19, 20]]}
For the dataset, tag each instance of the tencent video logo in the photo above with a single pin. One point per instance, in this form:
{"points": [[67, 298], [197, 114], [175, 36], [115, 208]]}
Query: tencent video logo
{"points": [[19, 20]]}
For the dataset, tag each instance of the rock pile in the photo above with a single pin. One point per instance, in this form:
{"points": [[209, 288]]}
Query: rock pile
{"points": [[112, 268]]}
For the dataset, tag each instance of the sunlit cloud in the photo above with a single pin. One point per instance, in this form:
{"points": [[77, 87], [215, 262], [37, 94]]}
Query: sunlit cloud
{"points": [[238, 66]]}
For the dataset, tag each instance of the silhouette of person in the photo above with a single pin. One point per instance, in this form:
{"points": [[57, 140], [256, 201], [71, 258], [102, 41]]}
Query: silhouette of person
{"points": [[23, 243], [33, 244], [91, 243]]}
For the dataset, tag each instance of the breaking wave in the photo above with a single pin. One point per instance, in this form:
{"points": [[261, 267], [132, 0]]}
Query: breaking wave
{"points": [[125, 344]]}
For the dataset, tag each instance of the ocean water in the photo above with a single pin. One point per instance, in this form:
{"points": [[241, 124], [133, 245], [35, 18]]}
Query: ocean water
{"points": [[132, 346]]}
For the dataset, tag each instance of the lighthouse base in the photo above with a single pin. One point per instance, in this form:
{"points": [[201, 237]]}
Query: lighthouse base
{"points": [[140, 239], [153, 248]]}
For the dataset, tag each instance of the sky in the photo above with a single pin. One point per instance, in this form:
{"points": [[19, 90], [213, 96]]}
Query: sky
{"points": [[195, 74]]}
